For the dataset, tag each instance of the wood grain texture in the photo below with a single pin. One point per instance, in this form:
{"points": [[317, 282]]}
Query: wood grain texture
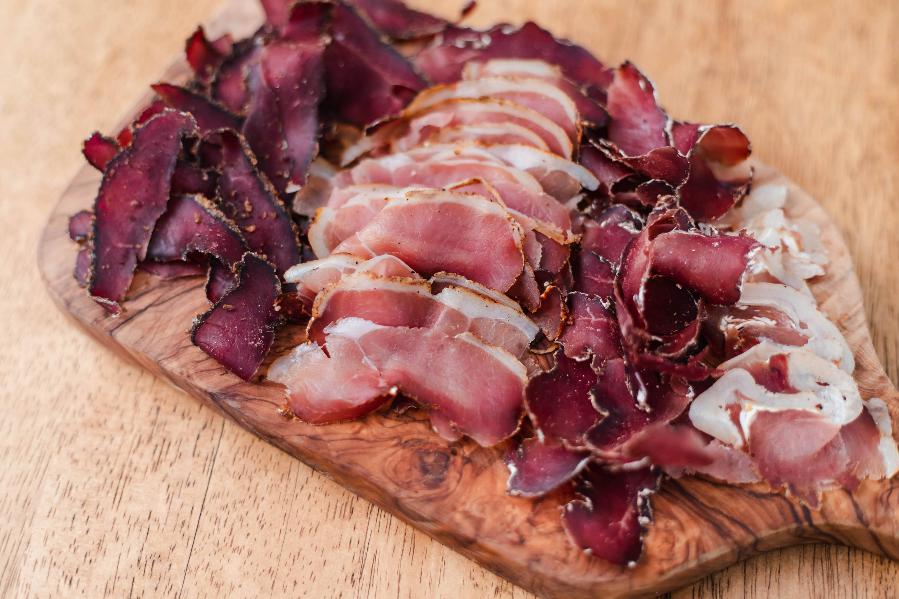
{"points": [[116, 485]]}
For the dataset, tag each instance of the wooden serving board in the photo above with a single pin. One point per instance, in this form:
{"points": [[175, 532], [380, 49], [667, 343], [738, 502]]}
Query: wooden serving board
{"points": [[456, 492]]}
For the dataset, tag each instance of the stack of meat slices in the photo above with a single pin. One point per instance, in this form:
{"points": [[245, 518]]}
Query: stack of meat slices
{"points": [[522, 242]]}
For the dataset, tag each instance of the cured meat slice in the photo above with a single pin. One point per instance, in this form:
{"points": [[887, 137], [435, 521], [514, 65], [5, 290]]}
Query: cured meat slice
{"points": [[311, 278], [589, 109], [282, 125], [80, 225], [229, 84], [240, 328], [133, 195], [194, 225], [444, 60], [478, 388], [434, 231], [719, 172], [537, 467], [247, 197], [209, 115], [592, 330], [99, 150], [609, 519], [459, 116], [560, 401], [397, 20], [205, 56], [637, 124], [559, 177], [358, 64], [410, 302], [536, 94]]}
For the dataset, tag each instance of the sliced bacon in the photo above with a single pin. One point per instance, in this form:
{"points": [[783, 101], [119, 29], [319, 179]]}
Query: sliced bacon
{"points": [[435, 231], [410, 302], [589, 109], [609, 518], [478, 388], [133, 195], [535, 94], [240, 328], [537, 467]]}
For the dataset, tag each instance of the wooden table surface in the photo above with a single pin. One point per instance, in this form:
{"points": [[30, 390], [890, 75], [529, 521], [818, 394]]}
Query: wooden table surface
{"points": [[114, 484]]}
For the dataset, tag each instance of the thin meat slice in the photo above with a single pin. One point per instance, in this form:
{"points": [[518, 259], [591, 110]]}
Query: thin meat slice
{"points": [[719, 172], [99, 150], [559, 177], [434, 231], [240, 328], [536, 94], [592, 330], [398, 21], [560, 401], [539, 467], [477, 387], [132, 196], [637, 124], [209, 115], [609, 519], [411, 302], [205, 56]]}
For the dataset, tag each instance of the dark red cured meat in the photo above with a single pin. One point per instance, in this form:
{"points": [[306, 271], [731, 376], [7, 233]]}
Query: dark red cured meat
{"points": [[559, 402], [684, 136], [593, 274], [537, 468], [710, 265], [308, 22], [229, 86], [282, 124], [173, 270], [219, 281], [397, 20], [603, 167], [99, 150], [248, 198], [665, 163], [80, 225], [132, 196], [592, 330], [703, 194], [358, 64], [205, 56], [190, 178], [551, 315], [194, 225], [209, 115], [637, 125], [609, 519], [125, 135], [609, 233], [239, 329], [443, 61]]}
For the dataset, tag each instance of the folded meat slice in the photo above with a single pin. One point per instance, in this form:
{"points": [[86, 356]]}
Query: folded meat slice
{"points": [[590, 110], [476, 387], [536, 94], [558, 176], [311, 278], [434, 231], [411, 302]]}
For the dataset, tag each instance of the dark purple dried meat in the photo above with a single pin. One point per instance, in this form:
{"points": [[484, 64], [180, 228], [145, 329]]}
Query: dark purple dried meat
{"points": [[80, 225], [205, 56], [282, 124], [125, 135], [249, 199], [637, 124], [229, 86], [537, 467], [219, 281], [609, 519], [209, 115], [442, 62], [240, 328], [592, 330], [99, 150], [194, 225], [719, 175], [398, 21], [133, 195], [190, 178], [358, 64], [559, 401]]}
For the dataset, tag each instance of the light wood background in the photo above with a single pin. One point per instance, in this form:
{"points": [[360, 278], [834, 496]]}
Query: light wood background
{"points": [[113, 484]]}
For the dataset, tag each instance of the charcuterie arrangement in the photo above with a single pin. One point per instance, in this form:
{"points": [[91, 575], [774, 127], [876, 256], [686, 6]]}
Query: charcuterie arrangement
{"points": [[494, 228]]}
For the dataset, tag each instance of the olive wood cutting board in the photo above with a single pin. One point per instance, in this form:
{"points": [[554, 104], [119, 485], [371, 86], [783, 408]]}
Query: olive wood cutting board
{"points": [[456, 492]]}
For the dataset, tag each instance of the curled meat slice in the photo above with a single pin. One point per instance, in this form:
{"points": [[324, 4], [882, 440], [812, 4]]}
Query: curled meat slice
{"points": [[478, 388], [539, 467], [536, 94], [435, 231], [312, 277]]}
